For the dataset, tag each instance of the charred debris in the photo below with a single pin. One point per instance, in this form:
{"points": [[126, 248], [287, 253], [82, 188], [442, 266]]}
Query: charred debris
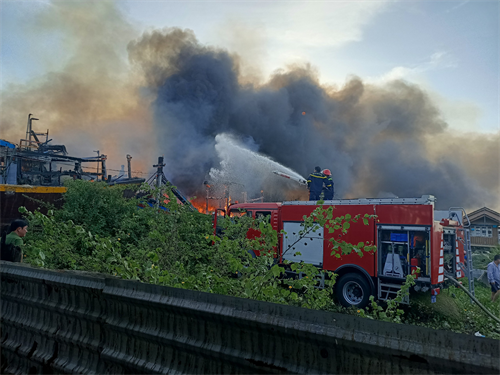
{"points": [[36, 161]]}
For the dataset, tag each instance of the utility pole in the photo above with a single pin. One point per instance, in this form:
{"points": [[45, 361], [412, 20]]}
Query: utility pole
{"points": [[159, 179], [104, 170], [97, 172], [159, 171], [129, 167], [226, 188], [78, 170], [207, 188]]}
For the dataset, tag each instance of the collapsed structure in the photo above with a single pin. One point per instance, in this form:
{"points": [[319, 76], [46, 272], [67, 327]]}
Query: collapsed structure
{"points": [[37, 162], [35, 169]]}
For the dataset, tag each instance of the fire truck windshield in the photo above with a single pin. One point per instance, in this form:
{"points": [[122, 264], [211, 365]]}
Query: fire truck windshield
{"points": [[239, 213]]}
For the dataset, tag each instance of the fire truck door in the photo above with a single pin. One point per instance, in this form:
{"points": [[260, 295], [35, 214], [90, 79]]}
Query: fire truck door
{"points": [[310, 246]]}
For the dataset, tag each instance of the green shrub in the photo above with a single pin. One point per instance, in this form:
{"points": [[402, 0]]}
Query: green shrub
{"points": [[98, 230], [483, 256], [97, 206]]}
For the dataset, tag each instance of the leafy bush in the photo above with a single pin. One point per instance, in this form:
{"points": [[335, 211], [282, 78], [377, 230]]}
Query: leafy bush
{"points": [[483, 256], [98, 207], [99, 230]]}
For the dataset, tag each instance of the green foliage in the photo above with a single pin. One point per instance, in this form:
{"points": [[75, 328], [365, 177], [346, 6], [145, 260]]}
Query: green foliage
{"points": [[167, 244], [483, 256], [97, 206], [99, 230], [454, 310], [262, 277], [393, 311], [338, 226]]}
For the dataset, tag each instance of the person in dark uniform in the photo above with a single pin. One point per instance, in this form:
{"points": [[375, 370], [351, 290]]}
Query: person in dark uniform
{"points": [[11, 244], [328, 191], [315, 184]]}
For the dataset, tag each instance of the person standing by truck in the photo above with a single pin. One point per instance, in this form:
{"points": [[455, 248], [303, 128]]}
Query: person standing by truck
{"points": [[494, 277], [315, 183]]}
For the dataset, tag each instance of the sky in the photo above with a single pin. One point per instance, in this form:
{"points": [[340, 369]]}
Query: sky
{"points": [[402, 96], [451, 48]]}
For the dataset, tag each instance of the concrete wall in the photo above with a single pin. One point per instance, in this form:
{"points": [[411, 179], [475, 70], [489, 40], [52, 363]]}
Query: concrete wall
{"points": [[73, 322]]}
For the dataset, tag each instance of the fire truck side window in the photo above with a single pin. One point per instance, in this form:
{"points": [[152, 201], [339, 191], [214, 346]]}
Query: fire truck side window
{"points": [[239, 213], [402, 251]]}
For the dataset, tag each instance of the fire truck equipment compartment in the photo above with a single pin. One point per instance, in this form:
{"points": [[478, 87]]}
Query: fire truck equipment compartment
{"points": [[309, 246], [399, 237]]}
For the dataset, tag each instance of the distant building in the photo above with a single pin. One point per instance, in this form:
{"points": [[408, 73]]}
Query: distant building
{"points": [[484, 227]]}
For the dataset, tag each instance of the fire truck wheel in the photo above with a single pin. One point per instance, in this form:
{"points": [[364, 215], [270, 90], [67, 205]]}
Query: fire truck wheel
{"points": [[353, 290]]}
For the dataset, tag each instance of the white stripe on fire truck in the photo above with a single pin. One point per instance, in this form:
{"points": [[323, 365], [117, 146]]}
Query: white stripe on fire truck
{"points": [[441, 261]]}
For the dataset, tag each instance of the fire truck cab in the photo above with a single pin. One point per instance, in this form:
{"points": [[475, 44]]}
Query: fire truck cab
{"points": [[404, 232]]}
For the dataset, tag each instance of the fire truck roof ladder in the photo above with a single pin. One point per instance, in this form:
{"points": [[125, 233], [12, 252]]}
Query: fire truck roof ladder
{"points": [[468, 267], [424, 199]]}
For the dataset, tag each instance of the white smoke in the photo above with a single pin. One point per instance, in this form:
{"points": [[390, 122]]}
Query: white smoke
{"points": [[244, 169]]}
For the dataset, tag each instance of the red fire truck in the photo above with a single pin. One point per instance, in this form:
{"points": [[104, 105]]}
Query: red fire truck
{"points": [[406, 233]]}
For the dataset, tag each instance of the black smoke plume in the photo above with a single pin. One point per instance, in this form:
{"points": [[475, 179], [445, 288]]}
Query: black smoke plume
{"points": [[177, 97], [378, 140]]}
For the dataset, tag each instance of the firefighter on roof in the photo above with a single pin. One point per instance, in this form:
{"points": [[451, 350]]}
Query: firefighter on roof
{"points": [[328, 191], [315, 184]]}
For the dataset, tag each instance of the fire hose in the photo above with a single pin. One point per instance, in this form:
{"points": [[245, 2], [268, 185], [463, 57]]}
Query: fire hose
{"points": [[460, 286], [300, 180]]}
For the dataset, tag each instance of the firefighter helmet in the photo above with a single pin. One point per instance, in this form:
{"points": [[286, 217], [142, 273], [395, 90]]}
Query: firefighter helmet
{"points": [[327, 172]]}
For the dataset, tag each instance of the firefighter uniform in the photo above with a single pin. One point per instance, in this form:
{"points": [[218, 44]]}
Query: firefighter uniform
{"points": [[315, 185], [329, 188]]}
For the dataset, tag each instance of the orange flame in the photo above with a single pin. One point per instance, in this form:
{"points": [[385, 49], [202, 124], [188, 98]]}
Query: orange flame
{"points": [[201, 205]]}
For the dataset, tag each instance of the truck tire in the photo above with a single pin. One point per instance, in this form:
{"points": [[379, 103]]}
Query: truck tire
{"points": [[353, 290]]}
